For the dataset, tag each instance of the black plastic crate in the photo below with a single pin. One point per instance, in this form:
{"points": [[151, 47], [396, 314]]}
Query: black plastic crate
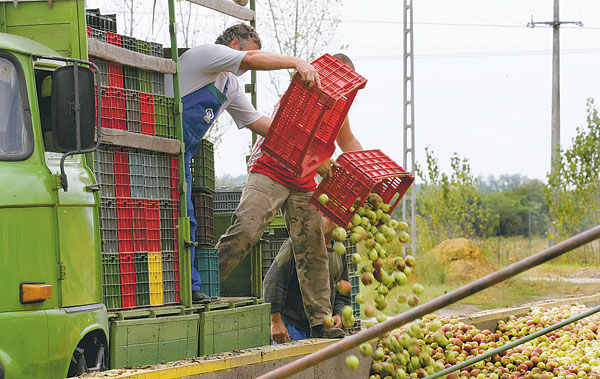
{"points": [[132, 105], [156, 49], [136, 173], [164, 183], [111, 280], [350, 249], [168, 224], [170, 276], [354, 329], [203, 168], [203, 212], [108, 22], [105, 170], [131, 77], [108, 225], [151, 181], [98, 34], [129, 43], [158, 83], [355, 284], [103, 68], [142, 285], [270, 248], [226, 199]]}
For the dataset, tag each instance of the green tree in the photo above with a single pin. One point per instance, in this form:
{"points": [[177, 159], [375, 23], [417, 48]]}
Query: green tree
{"points": [[449, 206], [573, 191]]}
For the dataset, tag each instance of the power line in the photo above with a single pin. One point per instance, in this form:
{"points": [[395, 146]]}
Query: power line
{"points": [[478, 54]]}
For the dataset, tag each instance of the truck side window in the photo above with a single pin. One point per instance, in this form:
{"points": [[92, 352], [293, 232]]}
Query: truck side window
{"points": [[15, 131], [43, 82]]}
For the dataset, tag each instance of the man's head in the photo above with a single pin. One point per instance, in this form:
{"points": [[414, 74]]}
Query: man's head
{"points": [[345, 59], [240, 37]]}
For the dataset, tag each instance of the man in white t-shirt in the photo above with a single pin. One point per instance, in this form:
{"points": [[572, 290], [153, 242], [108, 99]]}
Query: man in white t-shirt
{"points": [[209, 86]]}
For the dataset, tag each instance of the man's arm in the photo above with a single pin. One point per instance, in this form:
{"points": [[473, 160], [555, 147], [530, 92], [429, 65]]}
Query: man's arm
{"points": [[266, 61], [346, 140], [260, 126]]}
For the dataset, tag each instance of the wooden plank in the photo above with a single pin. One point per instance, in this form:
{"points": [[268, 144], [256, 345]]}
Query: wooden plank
{"points": [[126, 57], [140, 141], [227, 7]]}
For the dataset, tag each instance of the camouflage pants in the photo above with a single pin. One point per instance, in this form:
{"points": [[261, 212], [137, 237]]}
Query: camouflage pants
{"points": [[261, 199]]}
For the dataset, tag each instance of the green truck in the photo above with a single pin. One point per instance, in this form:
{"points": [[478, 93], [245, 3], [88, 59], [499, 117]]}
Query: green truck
{"points": [[53, 322]]}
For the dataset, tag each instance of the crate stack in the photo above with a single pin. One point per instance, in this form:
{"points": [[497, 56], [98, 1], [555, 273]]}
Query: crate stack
{"points": [[138, 224], [203, 188], [139, 188]]}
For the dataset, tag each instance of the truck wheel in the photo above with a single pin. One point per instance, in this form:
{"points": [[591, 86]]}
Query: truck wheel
{"points": [[89, 355]]}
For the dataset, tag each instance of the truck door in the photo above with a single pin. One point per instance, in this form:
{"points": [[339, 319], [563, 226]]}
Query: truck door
{"points": [[78, 232]]}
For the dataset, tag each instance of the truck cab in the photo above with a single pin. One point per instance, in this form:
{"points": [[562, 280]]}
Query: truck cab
{"points": [[52, 319]]}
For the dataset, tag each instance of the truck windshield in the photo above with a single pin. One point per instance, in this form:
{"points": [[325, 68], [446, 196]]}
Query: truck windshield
{"points": [[14, 139]]}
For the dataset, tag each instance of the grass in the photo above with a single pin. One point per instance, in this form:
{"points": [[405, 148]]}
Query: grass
{"points": [[518, 290]]}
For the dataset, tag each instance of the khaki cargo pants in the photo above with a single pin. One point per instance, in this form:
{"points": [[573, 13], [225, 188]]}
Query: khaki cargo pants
{"points": [[261, 198]]}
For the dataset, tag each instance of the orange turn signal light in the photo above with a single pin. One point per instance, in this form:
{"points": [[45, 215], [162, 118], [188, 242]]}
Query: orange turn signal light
{"points": [[32, 292]]}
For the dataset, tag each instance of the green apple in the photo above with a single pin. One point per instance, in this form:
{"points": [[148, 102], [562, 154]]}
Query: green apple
{"points": [[323, 198], [352, 362], [339, 248]]}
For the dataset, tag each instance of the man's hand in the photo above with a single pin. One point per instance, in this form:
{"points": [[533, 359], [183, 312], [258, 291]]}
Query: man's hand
{"points": [[337, 321], [324, 168], [308, 73], [279, 332]]}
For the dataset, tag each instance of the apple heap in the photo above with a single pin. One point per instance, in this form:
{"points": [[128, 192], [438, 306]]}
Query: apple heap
{"points": [[431, 344]]}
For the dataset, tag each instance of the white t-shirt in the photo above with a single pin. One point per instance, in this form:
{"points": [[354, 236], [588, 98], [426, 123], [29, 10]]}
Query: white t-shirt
{"points": [[202, 65]]}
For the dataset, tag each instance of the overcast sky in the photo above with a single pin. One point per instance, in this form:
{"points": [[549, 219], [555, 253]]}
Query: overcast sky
{"points": [[482, 78]]}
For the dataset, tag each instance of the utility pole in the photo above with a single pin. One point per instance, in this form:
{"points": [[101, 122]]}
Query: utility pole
{"points": [[409, 200], [555, 140]]}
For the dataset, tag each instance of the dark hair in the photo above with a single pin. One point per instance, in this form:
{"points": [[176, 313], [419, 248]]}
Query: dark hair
{"points": [[243, 32], [345, 59]]}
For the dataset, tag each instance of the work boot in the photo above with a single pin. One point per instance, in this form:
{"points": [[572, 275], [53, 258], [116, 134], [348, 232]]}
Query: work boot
{"points": [[200, 297], [318, 331]]}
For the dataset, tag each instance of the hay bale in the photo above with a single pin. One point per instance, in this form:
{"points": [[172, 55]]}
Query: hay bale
{"points": [[461, 260]]}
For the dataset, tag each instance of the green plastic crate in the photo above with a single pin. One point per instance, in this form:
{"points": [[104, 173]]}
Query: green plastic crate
{"points": [[143, 47], [207, 264], [203, 168], [153, 340], [234, 329], [171, 131], [111, 280], [142, 282], [160, 116], [246, 278], [145, 81]]}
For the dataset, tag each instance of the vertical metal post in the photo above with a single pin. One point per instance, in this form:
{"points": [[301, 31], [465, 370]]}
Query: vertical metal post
{"points": [[555, 142], [254, 95], [185, 263], [409, 201]]}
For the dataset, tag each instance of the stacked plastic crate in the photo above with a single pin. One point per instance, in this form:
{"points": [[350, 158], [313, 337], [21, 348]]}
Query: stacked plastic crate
{"points": [[139, 188], [203, 187]]}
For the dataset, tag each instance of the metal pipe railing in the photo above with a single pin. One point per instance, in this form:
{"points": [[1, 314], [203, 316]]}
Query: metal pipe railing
{"points": [[433, 305], [518, 342]]}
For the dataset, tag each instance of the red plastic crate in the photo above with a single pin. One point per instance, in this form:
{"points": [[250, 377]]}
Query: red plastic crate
{"points": [[124, 225], [360, 173], [307, 122], [115, 75], [138, 217], [105, 114], [128, 292], [118, 109], [174, 177], [113, 38], [89, 31], [152, 225], [121, 162], [147, 112]]}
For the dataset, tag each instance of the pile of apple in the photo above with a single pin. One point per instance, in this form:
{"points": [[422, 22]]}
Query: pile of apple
{"points": [[431, 344], [373, 226]]}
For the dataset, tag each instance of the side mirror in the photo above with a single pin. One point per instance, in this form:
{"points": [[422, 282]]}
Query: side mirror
{"points": [[72, 91]]}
